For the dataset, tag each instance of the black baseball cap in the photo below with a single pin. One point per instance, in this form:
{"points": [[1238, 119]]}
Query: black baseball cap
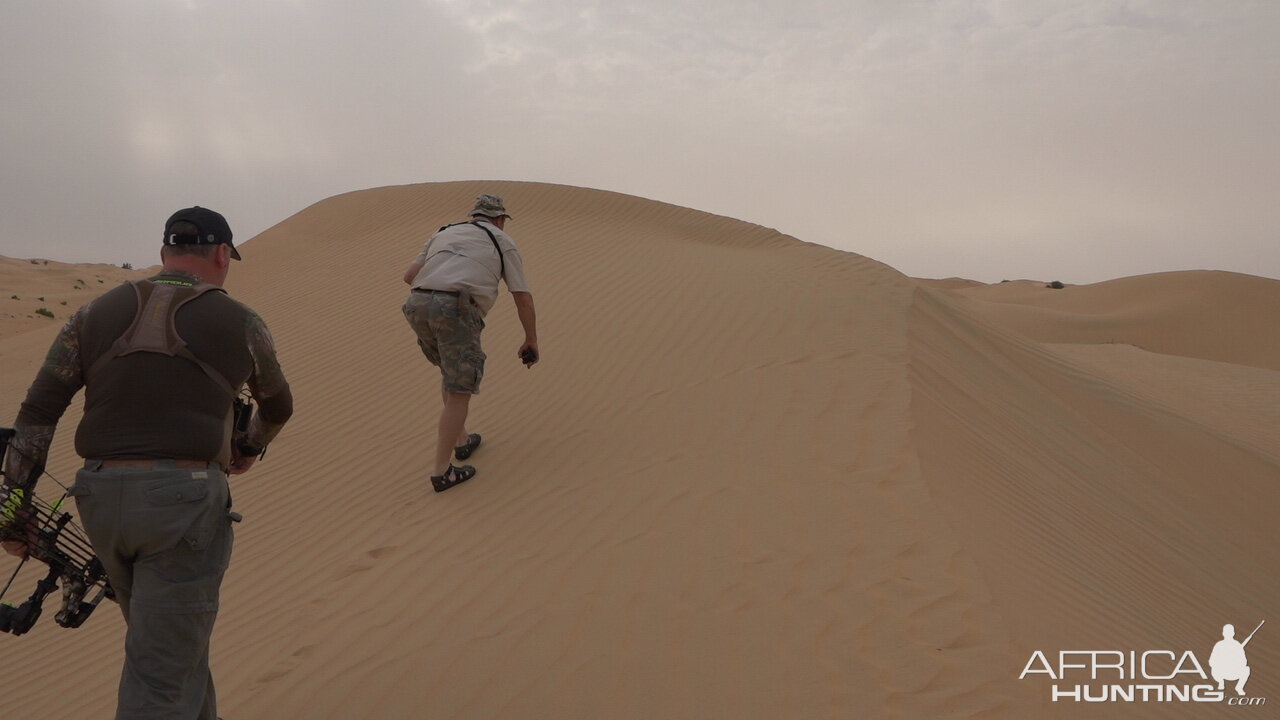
{"points": [[211, 226]]}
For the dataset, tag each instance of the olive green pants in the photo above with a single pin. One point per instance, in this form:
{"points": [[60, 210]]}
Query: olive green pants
{"points": [[164, 536]]}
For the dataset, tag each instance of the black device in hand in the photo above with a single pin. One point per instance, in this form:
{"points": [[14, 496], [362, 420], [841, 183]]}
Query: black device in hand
{"points": [[528, 356], [243, 414]]}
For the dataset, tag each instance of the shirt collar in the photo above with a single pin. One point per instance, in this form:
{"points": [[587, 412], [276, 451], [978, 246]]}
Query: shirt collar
{"points": [[179, 275]]}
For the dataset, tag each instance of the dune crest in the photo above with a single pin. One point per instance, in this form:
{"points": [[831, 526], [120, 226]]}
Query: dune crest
{"points": [[752, 477], [1211, 315]]}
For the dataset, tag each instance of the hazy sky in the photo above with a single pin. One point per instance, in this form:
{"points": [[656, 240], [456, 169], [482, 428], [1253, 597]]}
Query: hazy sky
{"points": [[1075, 140]]}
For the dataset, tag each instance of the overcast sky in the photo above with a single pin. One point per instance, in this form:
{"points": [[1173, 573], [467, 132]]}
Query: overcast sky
{"points": [[1076, 140]]}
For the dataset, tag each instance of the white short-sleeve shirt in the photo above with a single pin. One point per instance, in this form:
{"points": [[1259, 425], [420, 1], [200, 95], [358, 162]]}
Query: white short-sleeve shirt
{"points": [[462, 257]]}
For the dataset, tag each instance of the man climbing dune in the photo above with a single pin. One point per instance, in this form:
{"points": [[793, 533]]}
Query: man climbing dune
{"points": [[454, 283]]}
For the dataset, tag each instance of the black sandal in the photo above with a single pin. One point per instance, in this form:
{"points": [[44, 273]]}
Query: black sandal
{"points": [[462, 452], [452, 476]]}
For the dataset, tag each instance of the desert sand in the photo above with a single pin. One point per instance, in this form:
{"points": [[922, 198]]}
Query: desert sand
{"points": [[40, 293], [751, 478]]}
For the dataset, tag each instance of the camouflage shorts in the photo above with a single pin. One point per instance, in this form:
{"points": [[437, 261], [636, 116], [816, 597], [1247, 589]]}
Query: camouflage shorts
{"points": [[449, 337]]}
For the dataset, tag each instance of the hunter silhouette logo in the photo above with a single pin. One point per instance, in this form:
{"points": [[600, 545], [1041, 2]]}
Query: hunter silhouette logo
{"points": [[1228, 661], [1149, 676]]}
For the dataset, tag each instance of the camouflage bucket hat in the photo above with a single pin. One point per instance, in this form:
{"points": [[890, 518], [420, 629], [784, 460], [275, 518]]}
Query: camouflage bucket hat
{"points": [[489, 206]]}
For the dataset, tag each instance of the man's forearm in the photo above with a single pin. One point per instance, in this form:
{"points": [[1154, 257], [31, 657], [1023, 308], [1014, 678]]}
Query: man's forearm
{"points": [[528, 318], [47, 399], [273, 412], [28, 451]]}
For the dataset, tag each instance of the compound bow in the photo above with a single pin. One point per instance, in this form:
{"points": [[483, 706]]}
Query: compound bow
{"points": [[53, 539]]}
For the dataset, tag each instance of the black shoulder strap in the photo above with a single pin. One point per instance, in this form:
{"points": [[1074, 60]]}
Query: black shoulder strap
{"points": [[502, 273], [493, 240]]}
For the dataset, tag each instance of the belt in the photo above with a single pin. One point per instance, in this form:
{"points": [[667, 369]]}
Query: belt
{"points": [[149, 464], [454, 293]]}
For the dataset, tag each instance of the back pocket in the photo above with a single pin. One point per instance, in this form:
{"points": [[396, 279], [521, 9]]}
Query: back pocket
{"points": [[177, 493]]}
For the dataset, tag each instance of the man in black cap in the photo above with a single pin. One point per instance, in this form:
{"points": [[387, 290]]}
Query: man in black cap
{"points": [[161, 361]]}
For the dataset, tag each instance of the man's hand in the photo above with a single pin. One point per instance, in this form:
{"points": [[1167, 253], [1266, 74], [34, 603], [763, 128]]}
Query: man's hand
{"points": [[528, 353], [240, 464], [17, 548]]}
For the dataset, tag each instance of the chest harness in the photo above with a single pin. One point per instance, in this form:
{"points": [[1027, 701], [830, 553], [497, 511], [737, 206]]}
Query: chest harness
{"points": [[153, 328]]}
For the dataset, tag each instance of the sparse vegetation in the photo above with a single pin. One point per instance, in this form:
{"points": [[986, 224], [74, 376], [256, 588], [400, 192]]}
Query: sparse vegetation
{"points": [[1056, 285], [14, 297], [127, 266], [45, 312]]}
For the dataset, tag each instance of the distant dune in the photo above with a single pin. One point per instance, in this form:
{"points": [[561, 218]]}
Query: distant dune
{"points": [[752, 478], [1210, 315], [39, 293]]}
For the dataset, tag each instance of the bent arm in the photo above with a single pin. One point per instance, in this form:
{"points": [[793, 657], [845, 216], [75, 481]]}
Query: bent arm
{"points": [[412, 273], [268, 386]]}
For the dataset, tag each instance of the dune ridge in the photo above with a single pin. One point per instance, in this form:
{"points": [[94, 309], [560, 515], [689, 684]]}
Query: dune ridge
{"points": [[753, 477], [1206, 314]]}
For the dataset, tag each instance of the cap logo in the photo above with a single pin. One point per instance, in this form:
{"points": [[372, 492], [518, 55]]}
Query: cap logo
{"points": [[190, 239]]}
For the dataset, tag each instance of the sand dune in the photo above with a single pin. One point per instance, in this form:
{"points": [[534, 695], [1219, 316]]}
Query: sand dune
{"points": [[28, 287], [1210, 315], [752, 477]]}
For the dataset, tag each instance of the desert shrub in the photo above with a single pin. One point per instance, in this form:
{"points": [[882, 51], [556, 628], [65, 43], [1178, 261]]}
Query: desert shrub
{"points": [[45, 312]]}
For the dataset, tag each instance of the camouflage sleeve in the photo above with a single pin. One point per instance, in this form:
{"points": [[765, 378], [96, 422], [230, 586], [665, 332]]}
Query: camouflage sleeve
{"points": [[267, 384], [28, 449], [63, 360], [57, 381]]}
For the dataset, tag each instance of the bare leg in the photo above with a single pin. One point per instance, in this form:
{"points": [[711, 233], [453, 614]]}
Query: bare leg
{"points": [[462, 431], [453, 420]]}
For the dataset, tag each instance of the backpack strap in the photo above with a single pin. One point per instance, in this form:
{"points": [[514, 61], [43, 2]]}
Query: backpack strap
{"points": [[153, 328], [494, 240], [501, 273]]}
